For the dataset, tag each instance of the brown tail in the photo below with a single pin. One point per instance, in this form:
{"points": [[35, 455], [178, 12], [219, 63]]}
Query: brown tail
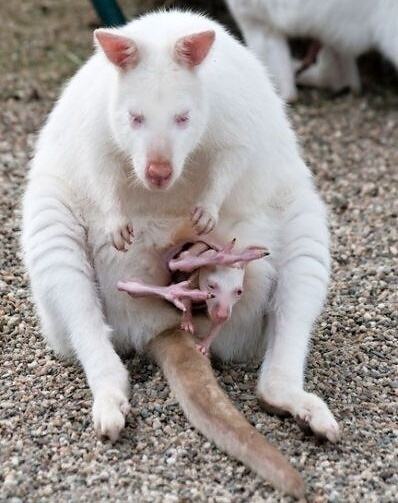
{"points": [[208, 408]]}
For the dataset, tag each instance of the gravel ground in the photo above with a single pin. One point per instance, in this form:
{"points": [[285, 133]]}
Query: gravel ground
{"points": [[48, 450]]}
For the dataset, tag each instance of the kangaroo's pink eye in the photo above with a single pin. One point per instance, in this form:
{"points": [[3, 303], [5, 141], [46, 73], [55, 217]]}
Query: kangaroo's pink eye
{"points": [[137, 120], [239, 292], [181, 119]]}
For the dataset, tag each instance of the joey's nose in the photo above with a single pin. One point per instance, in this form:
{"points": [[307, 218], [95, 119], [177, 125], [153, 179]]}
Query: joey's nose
{"points": [[221, 314], [159, 173]]}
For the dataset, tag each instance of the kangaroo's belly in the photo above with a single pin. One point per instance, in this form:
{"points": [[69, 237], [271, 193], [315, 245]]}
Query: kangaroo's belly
{"points": [[136, 320]]}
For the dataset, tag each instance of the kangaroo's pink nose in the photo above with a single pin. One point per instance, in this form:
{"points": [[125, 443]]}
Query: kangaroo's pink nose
{"points": [[159, 173]]}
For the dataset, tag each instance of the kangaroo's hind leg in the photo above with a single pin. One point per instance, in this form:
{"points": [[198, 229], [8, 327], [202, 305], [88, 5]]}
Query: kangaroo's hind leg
{"points": [[63, 285]]}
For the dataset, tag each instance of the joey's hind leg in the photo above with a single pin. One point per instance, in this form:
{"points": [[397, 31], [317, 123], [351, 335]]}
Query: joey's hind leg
{"points": [[186, 318]]}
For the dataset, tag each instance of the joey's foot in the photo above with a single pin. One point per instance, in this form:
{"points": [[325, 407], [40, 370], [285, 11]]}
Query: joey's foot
{"points": [[307, 408], [203, 349], [203, 220], [178, 292], [251, 253], [122, 237], [225, 256], [110, 409], [187, 326]]}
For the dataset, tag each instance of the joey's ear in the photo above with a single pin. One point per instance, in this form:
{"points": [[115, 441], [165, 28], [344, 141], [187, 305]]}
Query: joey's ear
{"points": [[120, 50], [191, 50]]}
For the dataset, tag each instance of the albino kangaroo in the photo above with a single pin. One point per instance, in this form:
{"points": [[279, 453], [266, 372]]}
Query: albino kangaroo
{"points": [[173, 117], [346, 28]]}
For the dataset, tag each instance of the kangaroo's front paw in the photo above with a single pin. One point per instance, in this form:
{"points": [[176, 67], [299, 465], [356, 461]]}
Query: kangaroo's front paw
{"points": [[308, 409], [203, 219], [122, 236], [109, 412]]}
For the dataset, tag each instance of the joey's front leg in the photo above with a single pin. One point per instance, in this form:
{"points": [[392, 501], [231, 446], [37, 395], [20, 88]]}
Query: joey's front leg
{"points": [[186, 319], [225, 169], [204, 345]]}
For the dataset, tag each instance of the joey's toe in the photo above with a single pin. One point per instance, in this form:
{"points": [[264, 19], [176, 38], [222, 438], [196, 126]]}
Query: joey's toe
{"points": [[187, 326]]}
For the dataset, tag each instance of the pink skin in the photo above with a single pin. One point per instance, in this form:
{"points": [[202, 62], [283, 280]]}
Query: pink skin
{"points": [[186, 319], [189, 263], [191, 50], [224, 296], [204, 345], [121, 51], [176, 294], [220, 295], [219, 307], [195, 250]]}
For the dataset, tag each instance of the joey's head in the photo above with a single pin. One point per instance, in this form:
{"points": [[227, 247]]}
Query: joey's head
{"points": [[158, 110], [226, 284]]}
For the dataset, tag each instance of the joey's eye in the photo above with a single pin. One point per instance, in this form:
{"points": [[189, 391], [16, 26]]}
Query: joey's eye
{"points": [[211, 286], [181, 119], [136, 120], [239, 292]]}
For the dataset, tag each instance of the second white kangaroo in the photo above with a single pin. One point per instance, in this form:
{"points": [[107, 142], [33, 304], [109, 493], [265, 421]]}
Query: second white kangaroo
{"points": [[346, 29]]}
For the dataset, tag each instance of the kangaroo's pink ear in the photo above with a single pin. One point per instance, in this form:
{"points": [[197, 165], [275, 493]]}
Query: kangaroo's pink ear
{"points": [[191, 50], [120, 50]]}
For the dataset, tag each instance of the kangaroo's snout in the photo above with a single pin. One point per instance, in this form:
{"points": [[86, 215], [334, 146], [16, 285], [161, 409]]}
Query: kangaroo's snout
{"points": [[159, 174]]}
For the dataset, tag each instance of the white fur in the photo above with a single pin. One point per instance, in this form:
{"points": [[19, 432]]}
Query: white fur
{"points": [[347, 28], [243, 157]]}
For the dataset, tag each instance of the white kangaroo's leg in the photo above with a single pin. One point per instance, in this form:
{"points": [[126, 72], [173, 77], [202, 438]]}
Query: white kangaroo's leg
{"points": [[281, 65], [63, 285], [333, 70], [273, 50], [298, 299]]}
